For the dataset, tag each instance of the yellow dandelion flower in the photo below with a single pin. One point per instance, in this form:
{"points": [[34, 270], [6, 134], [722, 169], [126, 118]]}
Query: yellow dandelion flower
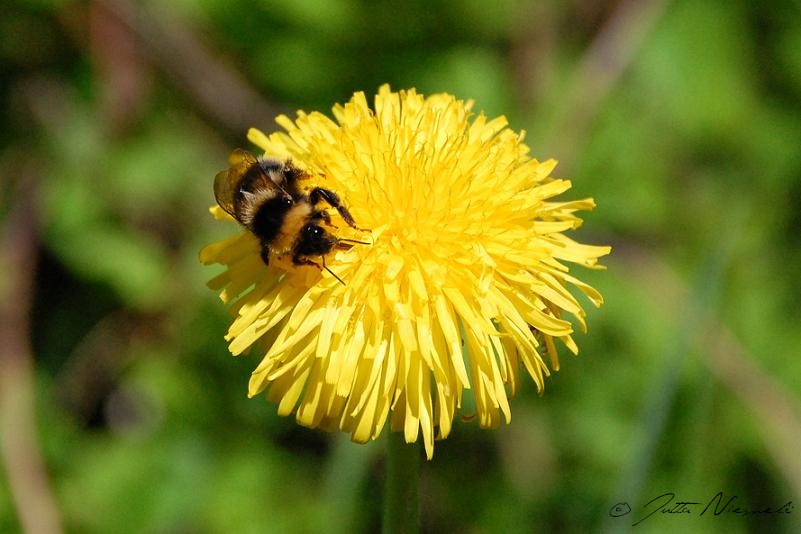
{"points": [[463, 283]]}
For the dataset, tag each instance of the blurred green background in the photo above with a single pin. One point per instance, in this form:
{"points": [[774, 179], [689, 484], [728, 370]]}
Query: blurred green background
{"points": [[682, 119]]}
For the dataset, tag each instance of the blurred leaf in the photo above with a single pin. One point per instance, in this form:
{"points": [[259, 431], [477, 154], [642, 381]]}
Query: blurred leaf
{"points": [[788, 46], [475, 73], [132, 264], [155, 172], [625, 168], [26, 40], [698, 70], [108, 472], [297, 64], [80, 233], [332, 18], [477, 18]]}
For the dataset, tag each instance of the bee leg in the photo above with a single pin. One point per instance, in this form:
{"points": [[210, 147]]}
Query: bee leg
{"points": [[300, 260], [322, 214], [265, 255], [318, 193]]}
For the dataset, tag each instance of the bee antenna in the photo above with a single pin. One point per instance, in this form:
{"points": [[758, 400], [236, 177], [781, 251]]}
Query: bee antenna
{"points": [[332, 272], [354, 241]]}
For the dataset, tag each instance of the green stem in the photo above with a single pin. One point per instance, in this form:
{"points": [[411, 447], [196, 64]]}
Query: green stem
{"points": [[401, 500]]}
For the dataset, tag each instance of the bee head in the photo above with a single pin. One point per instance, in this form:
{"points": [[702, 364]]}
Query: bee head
{"points": [[314, 240]]}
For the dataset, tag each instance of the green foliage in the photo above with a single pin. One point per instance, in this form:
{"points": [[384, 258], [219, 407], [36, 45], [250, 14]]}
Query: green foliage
{"points": [[693, 159]]}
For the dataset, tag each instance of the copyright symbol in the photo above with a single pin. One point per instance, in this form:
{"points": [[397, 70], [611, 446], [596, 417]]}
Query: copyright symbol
{"points": [[620, 509]]}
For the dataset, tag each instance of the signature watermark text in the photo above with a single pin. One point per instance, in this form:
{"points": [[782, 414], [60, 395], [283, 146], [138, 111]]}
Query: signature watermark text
{"points": [[720, 504]]}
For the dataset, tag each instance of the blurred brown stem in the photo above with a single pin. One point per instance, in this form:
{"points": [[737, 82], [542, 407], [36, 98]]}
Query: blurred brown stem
{"points": [[610, 54], [19, 445], [204, 74], [774, 408], [769, 401]]}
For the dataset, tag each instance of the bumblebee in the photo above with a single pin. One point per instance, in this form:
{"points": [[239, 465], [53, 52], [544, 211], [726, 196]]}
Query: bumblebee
{"points": [[265, 196]]}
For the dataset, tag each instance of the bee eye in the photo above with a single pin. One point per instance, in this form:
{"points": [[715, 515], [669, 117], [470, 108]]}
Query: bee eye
{"points": [[313, 231], [287, 201]]}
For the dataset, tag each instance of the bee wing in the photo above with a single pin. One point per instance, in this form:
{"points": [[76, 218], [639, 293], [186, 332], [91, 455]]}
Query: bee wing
{"points": [[226, 183], [241, 159], [225, 186]]}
